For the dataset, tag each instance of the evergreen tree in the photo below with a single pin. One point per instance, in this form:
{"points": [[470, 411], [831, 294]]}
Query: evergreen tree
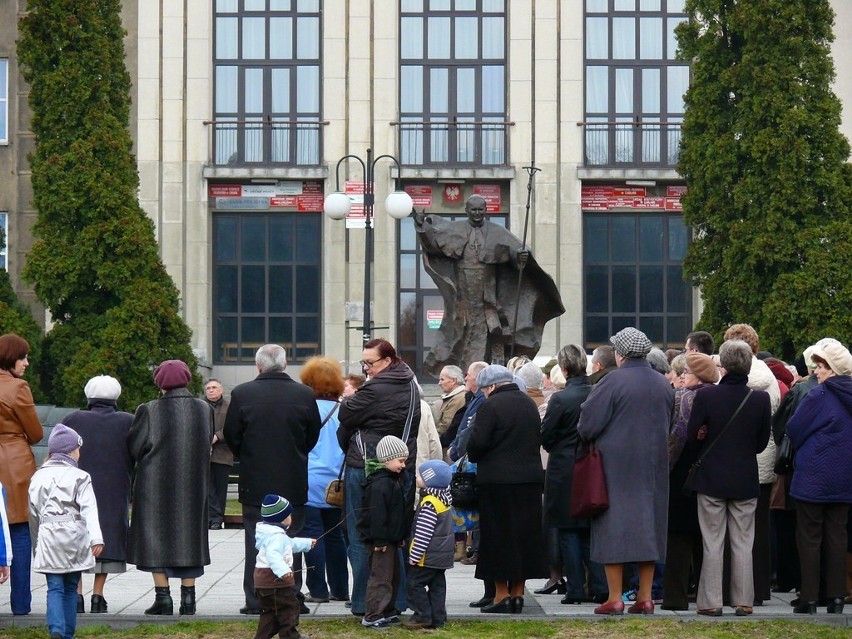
{"points": [[766, 171], [95, 262], [16, 318]]}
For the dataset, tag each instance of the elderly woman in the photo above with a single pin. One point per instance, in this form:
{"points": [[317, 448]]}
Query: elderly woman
{"points": [[107, 459], [627, 415], [728, 427], [821, 433], [683, 545], [559, 438], [322, 521], [20, 428], [505, 442], [170, 440], [384, 405]]}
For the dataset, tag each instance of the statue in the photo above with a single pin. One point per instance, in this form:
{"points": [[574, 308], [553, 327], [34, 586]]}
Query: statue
{"points": [[475, 265]]}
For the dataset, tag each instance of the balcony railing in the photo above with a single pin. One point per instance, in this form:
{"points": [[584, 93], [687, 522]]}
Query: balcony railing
{"points": [[460, 142], [632, 143], [266, 141]]}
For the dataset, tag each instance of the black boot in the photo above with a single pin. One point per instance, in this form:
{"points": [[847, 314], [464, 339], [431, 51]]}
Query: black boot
{"points": [[835, 606], [81, 607], [162, 602], [99, 604], [187, 600]]}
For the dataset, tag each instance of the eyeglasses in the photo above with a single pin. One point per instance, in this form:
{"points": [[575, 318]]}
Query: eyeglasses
{"points": [[368, 364]]}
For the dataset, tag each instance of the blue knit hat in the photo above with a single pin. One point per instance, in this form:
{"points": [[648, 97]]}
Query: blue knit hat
{"points": [[275, 509], [435, 473]]}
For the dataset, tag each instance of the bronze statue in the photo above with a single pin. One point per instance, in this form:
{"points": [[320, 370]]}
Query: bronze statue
{"points": [[475, 265]]}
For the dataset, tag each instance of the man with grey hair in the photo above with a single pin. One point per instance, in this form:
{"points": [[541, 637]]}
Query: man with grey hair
{"points": [[603, 362], [271, 425], [451, 382]]}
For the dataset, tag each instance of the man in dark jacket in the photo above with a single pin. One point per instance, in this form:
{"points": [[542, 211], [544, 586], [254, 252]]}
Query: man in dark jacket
{"points": [[221, 457], [271, 425]]}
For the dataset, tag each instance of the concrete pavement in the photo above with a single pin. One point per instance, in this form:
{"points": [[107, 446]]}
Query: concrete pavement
{"points": [[219, 597]]}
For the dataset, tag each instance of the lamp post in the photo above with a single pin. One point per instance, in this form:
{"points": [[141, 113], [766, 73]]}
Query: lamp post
{"points": [[336, 206]]}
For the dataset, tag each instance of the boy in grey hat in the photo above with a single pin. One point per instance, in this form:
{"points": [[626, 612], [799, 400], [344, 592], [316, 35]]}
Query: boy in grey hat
{"points": [[384, 527]]}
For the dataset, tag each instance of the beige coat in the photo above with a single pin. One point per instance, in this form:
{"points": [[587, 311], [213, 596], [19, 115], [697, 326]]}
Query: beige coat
{"points": [[19, 429]]}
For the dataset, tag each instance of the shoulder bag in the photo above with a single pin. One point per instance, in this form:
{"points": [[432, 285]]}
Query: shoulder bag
{"points": [[689, 485], [463, 486], [334, 495], [589, 496], [784, 462]]}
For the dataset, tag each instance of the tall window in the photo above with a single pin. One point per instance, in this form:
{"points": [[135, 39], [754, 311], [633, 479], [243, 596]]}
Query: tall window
{"points": [[4, 101], [453, 82], [634, 84], [633, 273], [266, 284], [267, 79], [4, 229]]}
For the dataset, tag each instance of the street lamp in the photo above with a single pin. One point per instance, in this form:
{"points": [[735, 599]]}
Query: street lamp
{"points": [[398, 205]]}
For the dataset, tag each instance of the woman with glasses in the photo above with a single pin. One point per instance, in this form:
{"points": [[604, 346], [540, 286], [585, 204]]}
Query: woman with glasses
{"points": [[387, 401]]}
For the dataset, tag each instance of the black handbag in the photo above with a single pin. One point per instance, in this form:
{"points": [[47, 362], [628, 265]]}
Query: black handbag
{"points": [[463, 487], [784, 462]]}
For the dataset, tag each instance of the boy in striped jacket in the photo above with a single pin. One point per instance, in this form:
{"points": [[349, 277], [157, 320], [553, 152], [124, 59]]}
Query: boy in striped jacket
{"points": [[431, 549]]}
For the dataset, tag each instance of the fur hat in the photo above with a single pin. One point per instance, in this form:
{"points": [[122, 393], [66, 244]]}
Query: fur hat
{"points": [[102, 387], [63, 439], [703, 367], [275, 509], [390, 447], [630, 342], [172, 373], [835, 355], [435, 473], [494, 374]]}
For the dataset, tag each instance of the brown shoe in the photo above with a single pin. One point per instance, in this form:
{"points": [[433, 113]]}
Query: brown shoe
{"points": [[470, 561]]}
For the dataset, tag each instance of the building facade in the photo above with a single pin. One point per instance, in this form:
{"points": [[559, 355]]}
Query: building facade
{"points": [[244, 111]]}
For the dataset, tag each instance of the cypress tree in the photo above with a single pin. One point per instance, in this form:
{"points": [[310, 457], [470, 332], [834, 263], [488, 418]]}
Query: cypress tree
{"points": [[95, 262], [766, 170]]}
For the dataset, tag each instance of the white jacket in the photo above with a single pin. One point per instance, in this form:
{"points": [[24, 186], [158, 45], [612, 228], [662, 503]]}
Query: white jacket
{"points": [[760, 377], [63, 519]]}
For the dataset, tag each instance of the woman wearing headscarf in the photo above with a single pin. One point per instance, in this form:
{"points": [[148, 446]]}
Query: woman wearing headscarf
{"points": [[627, 415], [821, 433], [505, 441], [107, 459], [20, 428], [559, 438], [727, 482], [170, 441], [683, 545]]}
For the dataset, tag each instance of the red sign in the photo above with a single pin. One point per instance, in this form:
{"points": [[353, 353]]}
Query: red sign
{"points": [[310, 203], [673, 204], [605, 198], [452, 193], [675, 191], [421, 194], [225, 190], [311, 187], [285, 200], [491, 194]]}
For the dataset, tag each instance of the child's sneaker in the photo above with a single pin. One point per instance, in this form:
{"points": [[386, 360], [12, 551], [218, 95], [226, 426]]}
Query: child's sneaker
{"points": [[378, 624], [629, 596], [393, 619]]}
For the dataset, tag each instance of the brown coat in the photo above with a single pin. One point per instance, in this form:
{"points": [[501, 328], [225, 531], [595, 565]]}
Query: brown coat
{"points": [[19, 429]]}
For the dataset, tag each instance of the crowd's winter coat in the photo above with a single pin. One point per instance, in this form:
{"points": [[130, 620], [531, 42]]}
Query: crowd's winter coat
{"points": [[19, 429]]}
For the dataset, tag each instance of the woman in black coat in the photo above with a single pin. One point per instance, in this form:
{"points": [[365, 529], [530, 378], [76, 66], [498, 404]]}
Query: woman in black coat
{"points": [[505, 442], [107, 460], [559, 438], [170, 441]]}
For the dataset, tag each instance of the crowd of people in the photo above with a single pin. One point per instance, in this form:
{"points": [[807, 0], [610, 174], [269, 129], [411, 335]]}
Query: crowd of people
{"points": [[699, 507]]}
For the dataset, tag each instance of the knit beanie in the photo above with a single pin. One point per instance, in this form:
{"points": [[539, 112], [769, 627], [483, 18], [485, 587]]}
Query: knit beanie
{"points": [[275, 509], [435, 473], [171, 374], [390, 447], [703, 367], [102, 387], [63, 440]]}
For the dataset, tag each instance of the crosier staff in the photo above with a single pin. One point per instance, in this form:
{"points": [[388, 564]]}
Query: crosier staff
{"points": [[531, 171]]}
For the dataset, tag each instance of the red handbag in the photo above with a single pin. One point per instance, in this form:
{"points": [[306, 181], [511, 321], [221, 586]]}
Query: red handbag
{"points": [[589, 497]]}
